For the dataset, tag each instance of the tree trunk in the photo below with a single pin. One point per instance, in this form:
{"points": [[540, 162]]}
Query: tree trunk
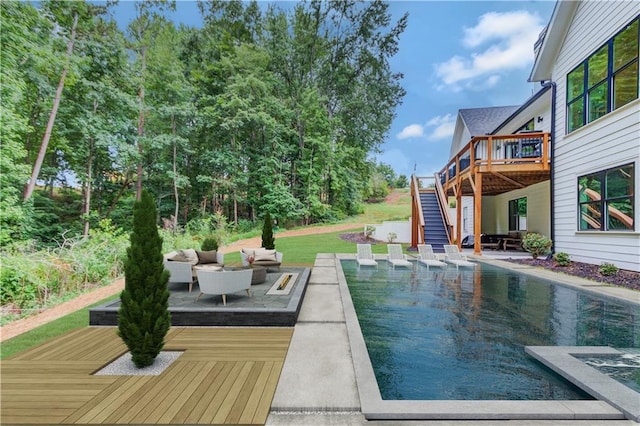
{"points": [[52, 115], [86, 205], [141, 123], [114, 203], [175, 174]]}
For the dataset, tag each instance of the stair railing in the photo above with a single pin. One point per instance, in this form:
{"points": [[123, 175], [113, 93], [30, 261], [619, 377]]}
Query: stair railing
{"points": [[444, 207], [417, 216]]}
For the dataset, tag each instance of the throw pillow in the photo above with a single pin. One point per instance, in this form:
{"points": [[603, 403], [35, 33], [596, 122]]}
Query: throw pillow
{"points": [[264, 254], [250, 251], [190, 254], [207, 257]]}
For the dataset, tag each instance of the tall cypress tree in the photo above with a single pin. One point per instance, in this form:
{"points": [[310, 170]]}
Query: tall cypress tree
{"points": [[143, 317], [268, 241]]}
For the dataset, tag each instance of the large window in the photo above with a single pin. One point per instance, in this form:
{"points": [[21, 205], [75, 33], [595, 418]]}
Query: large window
{"points": [[518, 214], [605, 200], [605, 81]]}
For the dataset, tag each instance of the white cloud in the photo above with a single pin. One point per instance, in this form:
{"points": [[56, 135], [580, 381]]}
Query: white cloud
{"points": [[443, 127], [509, 38], [411, 131]]}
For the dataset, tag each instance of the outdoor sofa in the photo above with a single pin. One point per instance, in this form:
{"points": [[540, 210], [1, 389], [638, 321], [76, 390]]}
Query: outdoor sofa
{"points": [[180, 264], [261, 257]]}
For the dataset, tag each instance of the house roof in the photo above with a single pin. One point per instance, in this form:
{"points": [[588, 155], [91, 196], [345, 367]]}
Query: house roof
{"points": [[520, 109], [554, 36], [482, 121]]}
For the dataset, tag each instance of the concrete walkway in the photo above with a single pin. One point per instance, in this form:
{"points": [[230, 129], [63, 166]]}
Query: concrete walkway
{"points": [[318, 386]]}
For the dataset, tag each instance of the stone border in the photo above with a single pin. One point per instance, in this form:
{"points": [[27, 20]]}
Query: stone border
{"points": [[375, 408], [124, 366], [562, 360], [107, 314]]}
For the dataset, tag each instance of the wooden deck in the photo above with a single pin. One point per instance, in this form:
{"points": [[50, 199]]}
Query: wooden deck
{"points": [[224, 376]]}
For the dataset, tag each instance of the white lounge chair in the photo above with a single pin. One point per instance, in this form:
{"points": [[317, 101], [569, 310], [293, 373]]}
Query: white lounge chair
{"points": [[454, 256], [427, 257], [396, 257], [224, 282], [364, 257]]}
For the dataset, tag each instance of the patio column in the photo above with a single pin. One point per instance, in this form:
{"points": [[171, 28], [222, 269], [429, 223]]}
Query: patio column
{"points": [[458, 238], [477, 214]]}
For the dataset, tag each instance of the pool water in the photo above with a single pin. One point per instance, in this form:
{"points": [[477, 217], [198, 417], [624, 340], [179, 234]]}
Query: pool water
{"points": [[624, 368], [460, 334]]}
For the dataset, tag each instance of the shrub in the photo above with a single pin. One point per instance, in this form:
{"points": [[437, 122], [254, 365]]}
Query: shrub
{"points": [[268, 241], [143, 317], [369, 230], [562, 259], [608, 269], [391, 237], [536, 244], [209, 243]]}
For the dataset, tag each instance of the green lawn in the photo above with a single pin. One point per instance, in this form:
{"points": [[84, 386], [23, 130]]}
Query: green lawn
{"points": [[72, 321]]}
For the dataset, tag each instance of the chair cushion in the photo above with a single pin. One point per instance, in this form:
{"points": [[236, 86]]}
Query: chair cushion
{"points": [[205, 257]]}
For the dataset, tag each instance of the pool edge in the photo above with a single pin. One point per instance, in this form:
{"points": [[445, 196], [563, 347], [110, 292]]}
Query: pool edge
{"points": [[373, 407]]}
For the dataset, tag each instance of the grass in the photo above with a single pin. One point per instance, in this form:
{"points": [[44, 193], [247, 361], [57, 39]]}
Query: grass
{"points": [[35, 337], [298, 251]]}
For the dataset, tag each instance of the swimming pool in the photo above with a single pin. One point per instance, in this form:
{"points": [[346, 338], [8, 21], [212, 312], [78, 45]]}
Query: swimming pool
{"points": [[460, 335]]}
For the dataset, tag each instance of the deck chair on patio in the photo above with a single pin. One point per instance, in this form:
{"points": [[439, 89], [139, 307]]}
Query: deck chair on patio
{"points": [[364, 257], [456, 257], [427, 257], [395, 256]]}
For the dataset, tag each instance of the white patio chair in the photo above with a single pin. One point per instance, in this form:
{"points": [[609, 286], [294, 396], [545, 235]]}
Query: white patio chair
{"points": [[180, 272], [396, 257], [456, 257], [364, 256], [427, 257], [224, 282]]}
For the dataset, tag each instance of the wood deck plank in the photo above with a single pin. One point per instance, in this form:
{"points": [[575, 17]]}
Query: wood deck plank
{"points": [[234, 391], [240, 402], [191, 384], [262, 411], [96, 399], [225, 375], [207, 397], [212, 409], [115, 401], [198, 393], [143, 403], [254, 399]]}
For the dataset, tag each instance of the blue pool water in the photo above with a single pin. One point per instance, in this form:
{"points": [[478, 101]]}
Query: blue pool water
{"points": [[448, 334]]}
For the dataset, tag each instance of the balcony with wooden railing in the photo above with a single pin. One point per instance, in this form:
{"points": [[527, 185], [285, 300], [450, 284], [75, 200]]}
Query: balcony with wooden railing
{"points": [[492, 165], [506, 163]]}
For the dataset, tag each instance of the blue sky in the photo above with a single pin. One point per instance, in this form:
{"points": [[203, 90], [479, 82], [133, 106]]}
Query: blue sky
{"points": [[454, 55]]}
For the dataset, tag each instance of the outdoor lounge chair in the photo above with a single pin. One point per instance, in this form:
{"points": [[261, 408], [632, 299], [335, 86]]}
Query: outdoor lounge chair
{"points": [[224, 282], [364, 257], [395, 256], [427, 257], [454, 256]]}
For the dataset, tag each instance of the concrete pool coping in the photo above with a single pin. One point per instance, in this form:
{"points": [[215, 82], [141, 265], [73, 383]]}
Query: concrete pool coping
{"points": [[562, 360], [375, 408]]}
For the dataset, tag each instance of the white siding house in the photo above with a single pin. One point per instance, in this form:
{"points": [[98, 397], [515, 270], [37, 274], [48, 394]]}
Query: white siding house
{"points": [[534, 114], [588, 52]]}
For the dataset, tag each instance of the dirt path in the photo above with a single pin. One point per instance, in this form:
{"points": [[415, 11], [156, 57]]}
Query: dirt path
{"points": [[25, 324]]}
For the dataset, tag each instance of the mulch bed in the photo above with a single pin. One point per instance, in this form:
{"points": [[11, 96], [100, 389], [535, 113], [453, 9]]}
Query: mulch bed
{"points": [[360, 238], [623, 278]]}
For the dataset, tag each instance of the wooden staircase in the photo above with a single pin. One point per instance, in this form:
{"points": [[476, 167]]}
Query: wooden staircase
{"points": [[434, 227]]}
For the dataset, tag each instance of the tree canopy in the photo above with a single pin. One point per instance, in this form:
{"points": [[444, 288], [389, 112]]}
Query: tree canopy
{"points": [[262, 110]]}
